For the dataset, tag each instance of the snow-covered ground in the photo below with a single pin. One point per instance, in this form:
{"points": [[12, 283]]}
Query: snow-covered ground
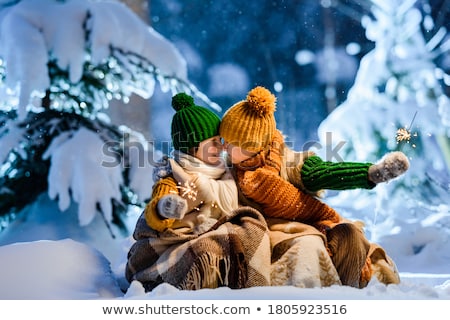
{"points": [[50, 257]]}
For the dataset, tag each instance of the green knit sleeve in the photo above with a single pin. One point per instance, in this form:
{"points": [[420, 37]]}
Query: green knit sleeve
{"points": [[318, 175]]}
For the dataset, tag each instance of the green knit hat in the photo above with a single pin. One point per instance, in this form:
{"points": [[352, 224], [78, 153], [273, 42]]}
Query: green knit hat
{"points": [[191, 124]]}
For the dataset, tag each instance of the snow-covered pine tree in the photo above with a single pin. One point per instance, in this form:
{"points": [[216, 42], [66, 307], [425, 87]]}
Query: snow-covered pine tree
{"points": [[398, 102], [61, 62]]}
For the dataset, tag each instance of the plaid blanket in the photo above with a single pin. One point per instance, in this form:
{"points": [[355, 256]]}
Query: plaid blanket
{"points": [[300, 258], [240, 251], [235, 253]]}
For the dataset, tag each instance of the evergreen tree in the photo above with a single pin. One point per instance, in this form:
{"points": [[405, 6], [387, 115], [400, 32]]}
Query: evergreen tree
{"points": [[61, 62], [398, 103]]}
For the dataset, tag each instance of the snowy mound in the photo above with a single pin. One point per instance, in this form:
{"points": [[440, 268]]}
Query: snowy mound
{"points": [[63, 269]]}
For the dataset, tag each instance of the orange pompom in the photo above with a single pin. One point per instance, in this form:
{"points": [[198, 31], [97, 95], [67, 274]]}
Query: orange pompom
{"points": [[261, 100]]}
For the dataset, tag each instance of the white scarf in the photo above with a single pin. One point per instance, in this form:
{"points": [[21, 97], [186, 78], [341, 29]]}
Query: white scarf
{"points": [[194, 165], [215, 183]]}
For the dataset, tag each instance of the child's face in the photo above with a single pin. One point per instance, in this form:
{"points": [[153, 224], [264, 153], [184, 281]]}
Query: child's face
{"points": [[237, 154], [210, 151]]}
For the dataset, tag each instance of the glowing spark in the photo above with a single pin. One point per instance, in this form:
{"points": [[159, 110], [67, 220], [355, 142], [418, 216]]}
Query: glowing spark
{"points": [[187, 190], [199, 206], [403, 134]]}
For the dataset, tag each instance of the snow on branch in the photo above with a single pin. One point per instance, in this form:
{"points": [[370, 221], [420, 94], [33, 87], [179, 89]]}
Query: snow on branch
{"points": [[61, 62], [79, 54], [75, 172]]}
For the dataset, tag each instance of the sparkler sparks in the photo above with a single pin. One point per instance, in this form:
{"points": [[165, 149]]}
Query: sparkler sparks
{"points": [[403, 134], [188, 190]]}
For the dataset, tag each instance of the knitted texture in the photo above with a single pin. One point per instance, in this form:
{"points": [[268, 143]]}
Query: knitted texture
{"points": [[259, 180], [250, 123], [280, 199], [317, 174], [275, 151], [161, 188], [191, 124]]}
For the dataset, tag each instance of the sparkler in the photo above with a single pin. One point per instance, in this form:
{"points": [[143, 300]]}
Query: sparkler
{"points": [[403, 134], [188, 190]]}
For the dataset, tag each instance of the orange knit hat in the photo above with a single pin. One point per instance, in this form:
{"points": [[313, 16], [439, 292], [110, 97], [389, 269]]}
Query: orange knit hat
{"points": [[250, 124]]}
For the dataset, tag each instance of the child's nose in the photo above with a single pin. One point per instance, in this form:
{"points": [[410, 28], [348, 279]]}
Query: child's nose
{"points": [[223, 142]]}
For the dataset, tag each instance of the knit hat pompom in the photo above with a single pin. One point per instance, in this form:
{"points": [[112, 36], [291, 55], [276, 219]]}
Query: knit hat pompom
{"points": [[261, 100], [250, 123], [182, 100]]}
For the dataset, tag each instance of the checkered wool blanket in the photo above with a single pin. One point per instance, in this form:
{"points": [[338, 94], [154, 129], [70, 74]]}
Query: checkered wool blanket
{"points": [[235, 253]]}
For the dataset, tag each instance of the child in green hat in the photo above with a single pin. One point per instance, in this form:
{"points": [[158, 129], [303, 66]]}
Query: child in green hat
{"points": [[199, 189], [192, 234]]}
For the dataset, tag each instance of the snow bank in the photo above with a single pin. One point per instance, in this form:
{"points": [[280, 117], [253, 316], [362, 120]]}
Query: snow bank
{"points": [[63, 269]]}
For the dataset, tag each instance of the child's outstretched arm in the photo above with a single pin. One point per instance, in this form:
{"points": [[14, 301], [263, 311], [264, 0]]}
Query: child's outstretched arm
{"points": [[317, 174]]}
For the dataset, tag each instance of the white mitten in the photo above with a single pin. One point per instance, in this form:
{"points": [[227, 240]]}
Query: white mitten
{"points": [[391, 166], [172, 206]]}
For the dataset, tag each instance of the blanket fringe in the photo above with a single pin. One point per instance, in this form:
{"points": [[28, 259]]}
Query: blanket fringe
{"points": [[206, 273], [328, 274]]}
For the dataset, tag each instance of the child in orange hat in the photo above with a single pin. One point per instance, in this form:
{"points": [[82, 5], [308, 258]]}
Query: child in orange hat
{"points": [[283, 183]]}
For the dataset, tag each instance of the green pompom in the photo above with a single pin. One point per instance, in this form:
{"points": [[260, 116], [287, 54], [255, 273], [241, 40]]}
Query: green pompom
{"points": [[182, 100]]}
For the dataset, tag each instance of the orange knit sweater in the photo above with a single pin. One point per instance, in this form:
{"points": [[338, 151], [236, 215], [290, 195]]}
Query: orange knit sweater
{"points": [[259, 180]]}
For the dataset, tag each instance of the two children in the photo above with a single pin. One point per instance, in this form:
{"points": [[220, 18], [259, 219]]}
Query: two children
{"points": [[281, 181], [198, 190], [192, 234]]}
